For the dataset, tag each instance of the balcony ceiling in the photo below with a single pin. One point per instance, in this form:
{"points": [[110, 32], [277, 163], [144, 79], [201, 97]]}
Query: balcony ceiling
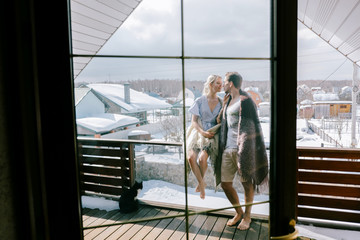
{"points": [[93, 22], [335, 21]]}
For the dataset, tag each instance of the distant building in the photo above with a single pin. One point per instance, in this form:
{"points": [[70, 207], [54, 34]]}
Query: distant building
{"points": [[91, 119], [332, 109], [87, 103], [255, 95], [119, 98], [192, 93], [264, 109]]}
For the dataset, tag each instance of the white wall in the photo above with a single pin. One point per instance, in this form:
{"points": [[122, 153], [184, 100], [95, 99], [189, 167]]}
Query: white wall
{"points": [[89, 105]]}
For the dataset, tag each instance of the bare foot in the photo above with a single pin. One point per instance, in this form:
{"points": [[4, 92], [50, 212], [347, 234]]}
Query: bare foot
{"points": [[234, 220], [244, 224], [202, 191], [197, 189]]}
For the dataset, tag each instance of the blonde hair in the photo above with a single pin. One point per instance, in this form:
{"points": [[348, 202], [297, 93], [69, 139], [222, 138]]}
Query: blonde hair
{"points": [[211, 79]]}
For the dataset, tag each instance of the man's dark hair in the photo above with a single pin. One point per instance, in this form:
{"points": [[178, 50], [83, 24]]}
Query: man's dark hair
{"points": [[235, 78]]}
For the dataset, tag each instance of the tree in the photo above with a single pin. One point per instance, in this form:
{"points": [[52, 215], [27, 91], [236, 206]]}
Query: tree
{"points": [[173, 129]]}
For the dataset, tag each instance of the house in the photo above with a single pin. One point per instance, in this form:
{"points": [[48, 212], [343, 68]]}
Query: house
{"points": [[255, 95], [91, 119], [332, 109], [192, 93], [264, 109], [87, 103], [104, 123], [121, 99]]}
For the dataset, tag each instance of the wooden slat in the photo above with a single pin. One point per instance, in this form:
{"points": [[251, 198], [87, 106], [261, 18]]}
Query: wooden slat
{"points": [[101, 220], [329, 203], [106, 161], [329, 190], [119, 172], [344, 153], [94, 217], [253, 232], [171, 228], [105, 180], [228, 232], [104, 142], [121, 229], [329, 215], [322, 177], [196, 226], [264, 231], [104, 152], [346, 166], [136, 227], [181, 231], [92, 233], [217, 229], [109, 230], [101, 189], [157, 230], [206, 228], [150, 225]]}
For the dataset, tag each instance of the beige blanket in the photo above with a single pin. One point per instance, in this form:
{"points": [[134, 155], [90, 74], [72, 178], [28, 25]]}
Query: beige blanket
{"points": [[195, 141]]}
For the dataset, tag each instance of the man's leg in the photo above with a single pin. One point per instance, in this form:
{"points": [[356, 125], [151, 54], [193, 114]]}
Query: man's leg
{"points": [[233, 197], [249, 198]]}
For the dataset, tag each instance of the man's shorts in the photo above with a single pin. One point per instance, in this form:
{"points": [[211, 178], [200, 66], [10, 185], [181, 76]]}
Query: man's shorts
{"points": [[230, 166]]}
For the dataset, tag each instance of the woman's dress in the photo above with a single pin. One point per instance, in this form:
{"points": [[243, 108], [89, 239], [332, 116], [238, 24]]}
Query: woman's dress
{"points": [[207, 120]]}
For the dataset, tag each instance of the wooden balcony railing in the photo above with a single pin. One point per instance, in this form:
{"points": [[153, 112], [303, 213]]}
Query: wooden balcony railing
{"points": [[329, 184], [107, 166]]}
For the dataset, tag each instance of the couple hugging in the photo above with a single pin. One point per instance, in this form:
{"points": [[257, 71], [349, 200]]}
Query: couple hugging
{"points": [[228, 132]]}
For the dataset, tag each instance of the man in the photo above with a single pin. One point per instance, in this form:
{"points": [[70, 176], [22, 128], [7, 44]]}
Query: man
{"points": [[242, 148]]}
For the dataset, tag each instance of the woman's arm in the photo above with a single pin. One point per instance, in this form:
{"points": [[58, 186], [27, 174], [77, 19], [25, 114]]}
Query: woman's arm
{"points": [[196, 125]]}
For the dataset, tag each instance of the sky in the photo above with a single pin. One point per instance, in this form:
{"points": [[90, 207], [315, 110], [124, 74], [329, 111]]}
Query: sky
{"points": [[232, 28]]}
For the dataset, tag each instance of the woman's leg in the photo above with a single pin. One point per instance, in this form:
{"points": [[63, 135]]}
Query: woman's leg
{"points": [[203, 167], [203, 162], [196, 169]]}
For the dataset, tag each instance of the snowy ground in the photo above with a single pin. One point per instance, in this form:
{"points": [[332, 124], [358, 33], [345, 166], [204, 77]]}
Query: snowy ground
{"points": [[331, 128], [170, 193]]}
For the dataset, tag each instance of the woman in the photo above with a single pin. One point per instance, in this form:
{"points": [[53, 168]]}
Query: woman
{"points": [[200, 135]]}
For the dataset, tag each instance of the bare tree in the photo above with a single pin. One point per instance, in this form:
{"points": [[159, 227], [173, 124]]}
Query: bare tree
{"points": [[339, 126], [173, 128]]}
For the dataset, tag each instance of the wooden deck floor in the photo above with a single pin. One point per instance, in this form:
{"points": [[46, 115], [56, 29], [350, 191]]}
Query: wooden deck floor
{"points": [[200, 226]]}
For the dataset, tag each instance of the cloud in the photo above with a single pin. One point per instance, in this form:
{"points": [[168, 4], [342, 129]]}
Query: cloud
{"points": [[231, 28]]}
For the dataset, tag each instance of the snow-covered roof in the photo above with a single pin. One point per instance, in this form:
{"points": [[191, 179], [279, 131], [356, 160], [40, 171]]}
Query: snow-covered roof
{"points": [[306, 102], [305, 106], [106, 122], [332, 102], [93, 23], [325, 97], [264, 104], [138, 101], [336, 22], [188, 103]]}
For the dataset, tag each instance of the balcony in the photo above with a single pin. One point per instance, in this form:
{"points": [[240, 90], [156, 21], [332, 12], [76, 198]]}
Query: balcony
{"points": [[328, 189]]}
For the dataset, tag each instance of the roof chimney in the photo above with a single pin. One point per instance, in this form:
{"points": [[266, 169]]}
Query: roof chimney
{"points": [[127, 92]]}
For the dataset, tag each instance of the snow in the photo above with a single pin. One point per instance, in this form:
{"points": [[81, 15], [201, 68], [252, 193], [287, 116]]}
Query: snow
{"points": [[325, 97], [137, 132], [138, 101], [106, 122], [170, 193]]}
